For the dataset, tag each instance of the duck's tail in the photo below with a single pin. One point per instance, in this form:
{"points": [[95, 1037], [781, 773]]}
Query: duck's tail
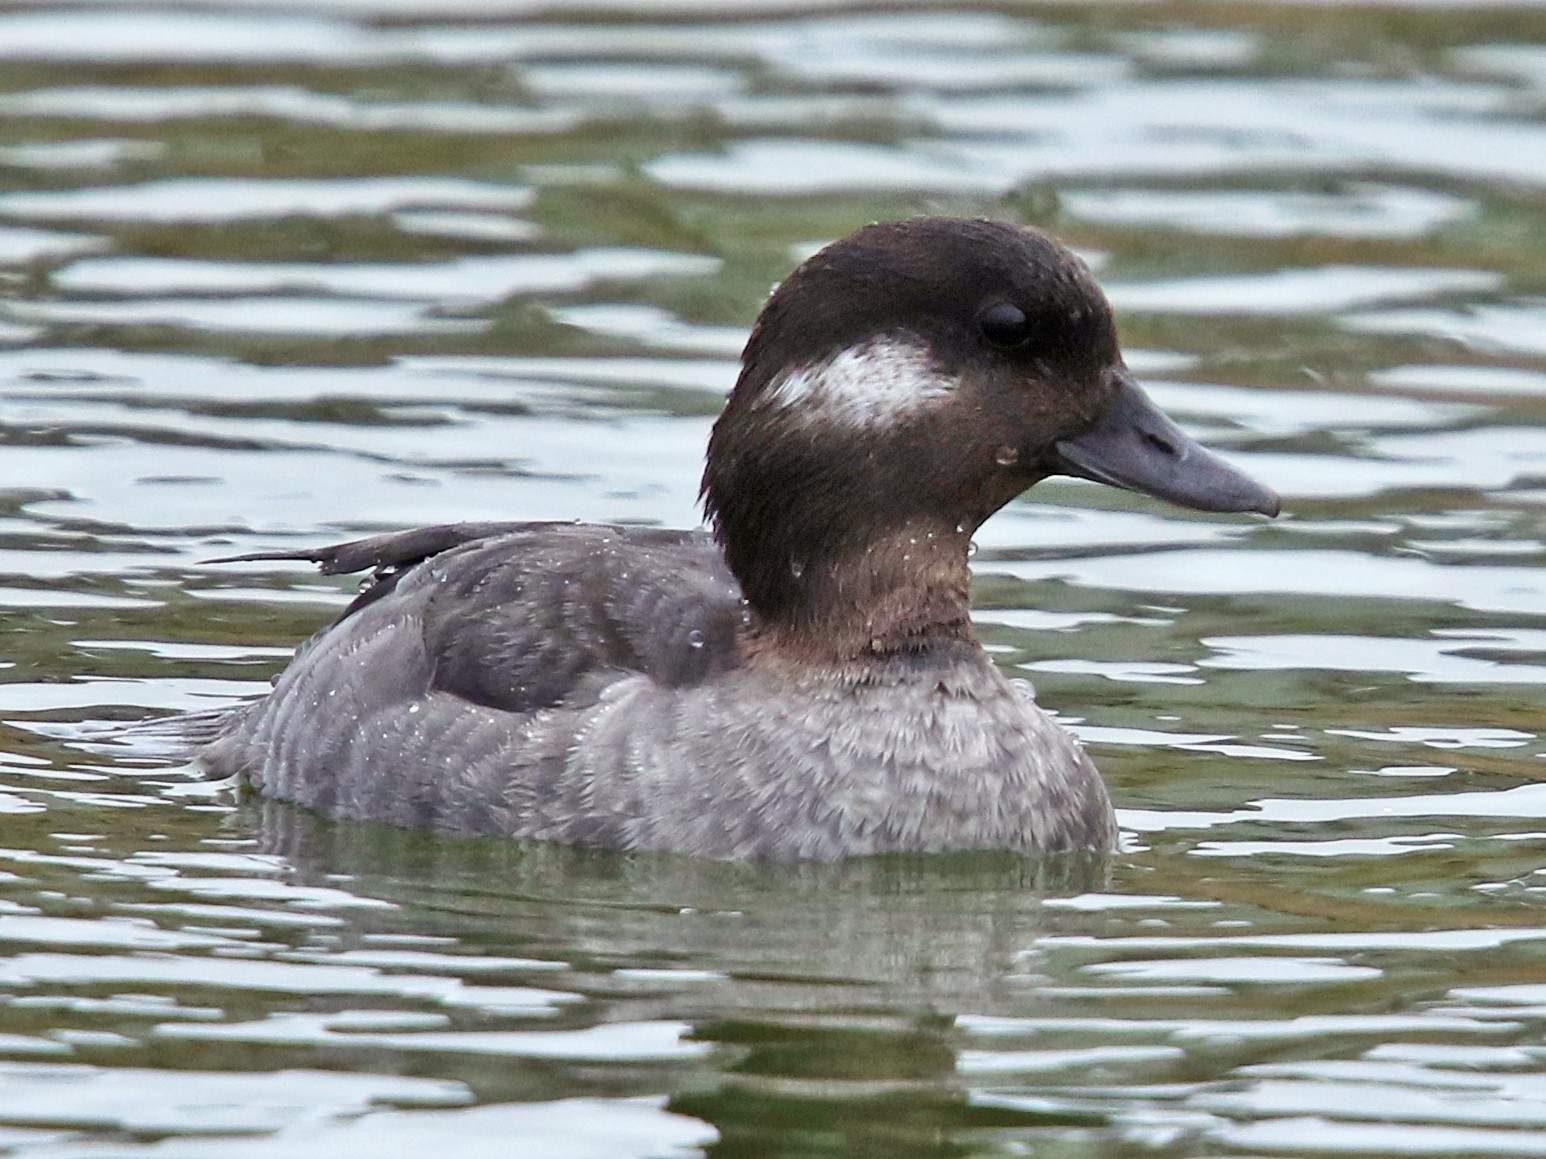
{"points": [[182, 734]]}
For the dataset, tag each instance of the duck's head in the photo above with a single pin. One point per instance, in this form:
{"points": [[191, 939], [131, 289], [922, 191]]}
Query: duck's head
{"points": [[908, 381]]}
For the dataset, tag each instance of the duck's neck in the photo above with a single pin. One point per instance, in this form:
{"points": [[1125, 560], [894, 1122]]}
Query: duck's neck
{"points": [[904, 590]]}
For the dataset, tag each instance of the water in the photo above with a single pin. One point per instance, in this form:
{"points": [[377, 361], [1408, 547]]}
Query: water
{"points": [[275, 275]]}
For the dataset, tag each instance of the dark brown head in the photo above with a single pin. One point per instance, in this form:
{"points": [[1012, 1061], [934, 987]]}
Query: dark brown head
{"points": [[913, 378]]}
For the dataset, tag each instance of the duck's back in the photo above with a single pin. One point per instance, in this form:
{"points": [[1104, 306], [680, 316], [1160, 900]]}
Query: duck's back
{"points": [[414, 707]]}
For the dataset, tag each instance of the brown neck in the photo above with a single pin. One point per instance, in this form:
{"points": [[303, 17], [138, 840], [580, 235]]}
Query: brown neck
{"points": [[905, 590]]}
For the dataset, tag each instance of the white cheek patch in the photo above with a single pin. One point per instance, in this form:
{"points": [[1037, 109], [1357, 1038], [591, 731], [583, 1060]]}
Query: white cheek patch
{"points": [[874, 385]]}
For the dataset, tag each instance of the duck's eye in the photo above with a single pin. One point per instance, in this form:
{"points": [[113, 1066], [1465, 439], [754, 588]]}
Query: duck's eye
{"points": [[1005, 325]]}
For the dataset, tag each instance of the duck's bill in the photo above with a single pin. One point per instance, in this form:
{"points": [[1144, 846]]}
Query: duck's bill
{"points": [[1136, 447]]}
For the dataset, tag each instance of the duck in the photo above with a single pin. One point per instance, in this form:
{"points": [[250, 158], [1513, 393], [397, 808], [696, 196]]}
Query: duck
{"points": [[800, 680]]}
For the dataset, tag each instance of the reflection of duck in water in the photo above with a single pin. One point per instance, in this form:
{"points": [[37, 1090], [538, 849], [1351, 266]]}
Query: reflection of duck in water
{"points": [[831, 990], [808, 688]]}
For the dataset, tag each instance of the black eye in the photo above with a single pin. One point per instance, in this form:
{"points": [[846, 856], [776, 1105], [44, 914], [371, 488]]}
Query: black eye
{"points": [[1004, 324]]}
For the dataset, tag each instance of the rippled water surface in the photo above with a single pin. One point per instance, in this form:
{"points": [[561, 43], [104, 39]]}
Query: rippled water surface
{"points": [[272, 275]]}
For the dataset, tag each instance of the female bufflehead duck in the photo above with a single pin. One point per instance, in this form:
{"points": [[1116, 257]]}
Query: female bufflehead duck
{"points": [[805, 683]]}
